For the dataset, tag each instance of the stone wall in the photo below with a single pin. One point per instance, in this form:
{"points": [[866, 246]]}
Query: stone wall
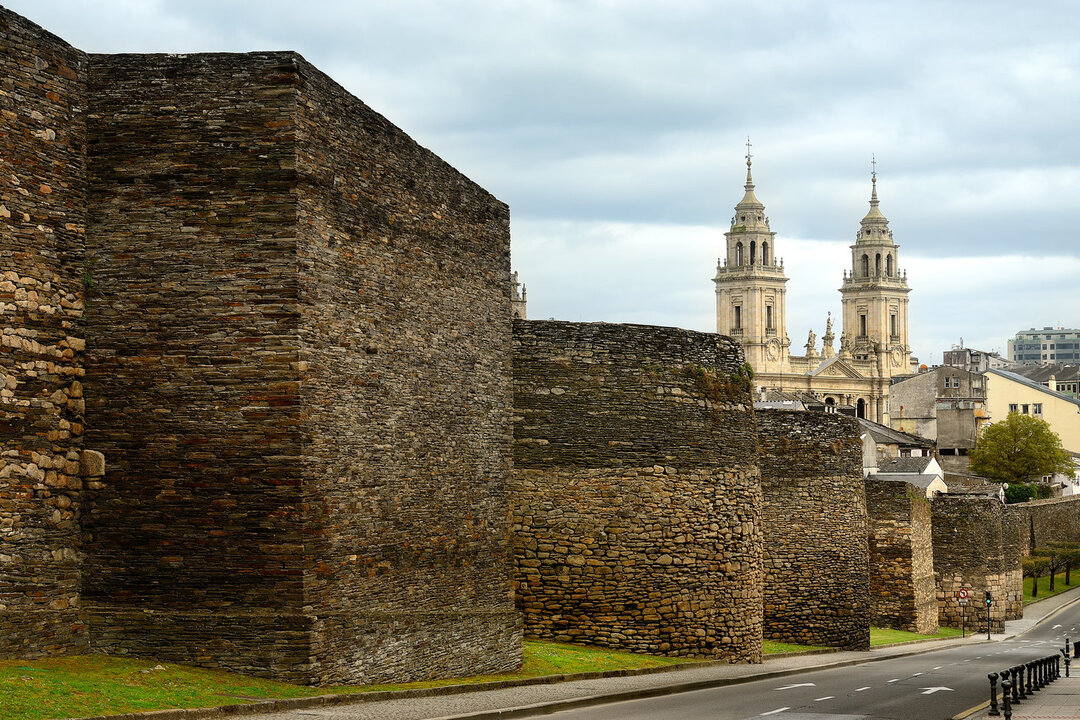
{"points": [[42, 226], [816, 588], [296, 346], [976, 547], [405, 388], [636, 496], [196, 541], [1043, 522], [902, 590]]}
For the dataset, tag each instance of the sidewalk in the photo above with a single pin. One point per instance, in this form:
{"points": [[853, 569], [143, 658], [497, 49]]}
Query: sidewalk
{"points": [[1060, 700]]}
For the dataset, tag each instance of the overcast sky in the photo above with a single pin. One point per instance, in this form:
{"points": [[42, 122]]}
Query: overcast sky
{"points": [[616, 132]]}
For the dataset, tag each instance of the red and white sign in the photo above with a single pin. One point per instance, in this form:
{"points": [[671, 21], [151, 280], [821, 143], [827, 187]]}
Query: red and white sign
{"points": [[962, 593]]}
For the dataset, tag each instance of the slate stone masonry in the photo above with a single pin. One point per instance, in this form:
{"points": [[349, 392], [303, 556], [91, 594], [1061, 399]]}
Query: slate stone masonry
{"points": [[636, 497], [42, 231], [296, 360], [902, 591], [976, 547], [816, 557]]}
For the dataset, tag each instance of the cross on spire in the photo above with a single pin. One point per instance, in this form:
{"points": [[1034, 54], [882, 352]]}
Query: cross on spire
{"points": [[748, 155], [873, 167]]}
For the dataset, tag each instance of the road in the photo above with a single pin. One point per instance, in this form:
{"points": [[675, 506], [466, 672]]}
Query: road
{"points": [[931, 686]]}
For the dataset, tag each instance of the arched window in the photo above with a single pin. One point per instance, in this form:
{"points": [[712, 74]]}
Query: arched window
{"points": [[753, 252], [866, 265], [860, 408], [888, 265], [764, 253], [877, 265], [738, 253]]}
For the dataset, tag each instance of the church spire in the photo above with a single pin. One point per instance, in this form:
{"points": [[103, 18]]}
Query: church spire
{"points": [[875, 226], [749, 200]]}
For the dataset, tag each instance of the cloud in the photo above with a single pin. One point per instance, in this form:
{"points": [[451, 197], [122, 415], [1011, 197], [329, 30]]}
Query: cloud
{"points": [[615, 131]]}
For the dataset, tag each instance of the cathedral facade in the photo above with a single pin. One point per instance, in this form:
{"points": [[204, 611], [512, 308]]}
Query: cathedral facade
{"points": [[751, 306]]}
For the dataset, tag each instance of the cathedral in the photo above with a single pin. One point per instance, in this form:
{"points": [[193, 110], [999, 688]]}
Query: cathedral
{"points": [[751, 307]]}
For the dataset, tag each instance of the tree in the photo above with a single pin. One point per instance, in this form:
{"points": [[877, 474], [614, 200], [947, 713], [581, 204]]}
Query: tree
{"points": [[1033, 567], [1019, 448], [1055, 561], [1070, 553]]}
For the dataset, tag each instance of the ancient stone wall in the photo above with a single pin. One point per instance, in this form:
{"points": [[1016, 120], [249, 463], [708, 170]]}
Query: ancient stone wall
{"points": [[816, 557], [405, 388], [636, 496], [42, 226], [196, 541], [976, 547], [902, 590], [1043, 522]]}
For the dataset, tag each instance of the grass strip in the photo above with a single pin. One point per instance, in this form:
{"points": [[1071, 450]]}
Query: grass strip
{"points": [[85, 685], [1044, 586], [888, 636]]}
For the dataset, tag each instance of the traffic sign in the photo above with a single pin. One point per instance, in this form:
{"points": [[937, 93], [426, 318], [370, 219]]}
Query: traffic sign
{"points": [[962, 593]]}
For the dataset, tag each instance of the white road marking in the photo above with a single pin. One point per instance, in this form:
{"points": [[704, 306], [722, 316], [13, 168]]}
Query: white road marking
{"points": [[916, 674], [1055, 627], [862, 688], [932, 690], [936, 668], [773, 712], [796, 685], [895, 680], [827, 697]]}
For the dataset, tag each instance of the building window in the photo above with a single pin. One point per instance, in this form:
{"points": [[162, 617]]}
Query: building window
{"points": [[862, 325], [1036, 409], [738, 254], [738, 317], [1026, 409], [1013, 407], [764, 253], [768, 318], [753, 252], [892, 326], [866, 265]]}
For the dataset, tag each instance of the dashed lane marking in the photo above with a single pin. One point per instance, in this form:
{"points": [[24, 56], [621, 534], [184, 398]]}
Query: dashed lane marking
{"points": [[773, 712]]}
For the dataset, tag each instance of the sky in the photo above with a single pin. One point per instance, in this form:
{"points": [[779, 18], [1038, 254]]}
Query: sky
{"points": [[616, 131]]}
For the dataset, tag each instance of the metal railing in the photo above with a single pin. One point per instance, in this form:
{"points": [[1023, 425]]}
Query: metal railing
{"points": [[1020, 681]]}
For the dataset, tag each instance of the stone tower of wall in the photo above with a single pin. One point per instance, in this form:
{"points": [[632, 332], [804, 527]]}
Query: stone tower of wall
{"points": [[296, 361], [636, 494], [902, 591], [977, 547], [816, 558], [42, 224]]}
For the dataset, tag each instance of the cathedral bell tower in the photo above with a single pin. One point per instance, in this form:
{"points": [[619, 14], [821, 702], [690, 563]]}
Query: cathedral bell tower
{"points": [[750, 286], [875, 296]]}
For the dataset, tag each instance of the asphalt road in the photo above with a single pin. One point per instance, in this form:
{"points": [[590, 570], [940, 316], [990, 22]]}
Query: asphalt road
{"points": [[932, 686]]}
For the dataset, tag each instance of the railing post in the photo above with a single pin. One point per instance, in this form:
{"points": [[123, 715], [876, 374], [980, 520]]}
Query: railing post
{"points": [[1067, 666], [993, 694], [1018, 684], [1006, 706], [1030, 683]]}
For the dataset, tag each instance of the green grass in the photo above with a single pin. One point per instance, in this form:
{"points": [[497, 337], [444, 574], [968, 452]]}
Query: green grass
{"points": [[886, 636], [84, 685], [1044, 586], [774, 647]]}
